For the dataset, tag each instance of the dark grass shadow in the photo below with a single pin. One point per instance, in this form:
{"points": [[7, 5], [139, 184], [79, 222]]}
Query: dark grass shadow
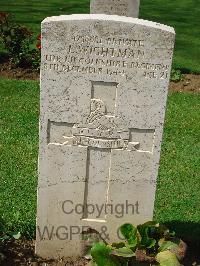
{"points": [[189, 232], [187, 71], [4, 57]]}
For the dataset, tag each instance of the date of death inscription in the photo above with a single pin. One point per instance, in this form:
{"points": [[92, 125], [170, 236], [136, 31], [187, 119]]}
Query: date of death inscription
{"points": [[121, 60]]}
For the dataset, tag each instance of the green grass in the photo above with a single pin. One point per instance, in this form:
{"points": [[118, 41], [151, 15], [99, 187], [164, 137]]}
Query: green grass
{"points": [[177, 201], [178, 191], [183, 15], [18, 153]]}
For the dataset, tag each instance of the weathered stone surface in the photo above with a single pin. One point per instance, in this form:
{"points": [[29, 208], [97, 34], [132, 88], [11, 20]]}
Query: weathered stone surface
{"points": [[104, 84], [128, 8]]}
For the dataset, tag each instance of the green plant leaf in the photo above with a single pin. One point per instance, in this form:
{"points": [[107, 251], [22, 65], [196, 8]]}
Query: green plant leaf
{"points": [[123, 252], [176, 75], [145, 231], [152, 224], [101, 255], [15, 235], [130, 234], [118, 245], [167, 258], [163, 231], [167, 245]]}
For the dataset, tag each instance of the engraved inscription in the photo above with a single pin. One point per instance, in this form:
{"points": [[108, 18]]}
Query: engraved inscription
{"points": [[104, 56]]}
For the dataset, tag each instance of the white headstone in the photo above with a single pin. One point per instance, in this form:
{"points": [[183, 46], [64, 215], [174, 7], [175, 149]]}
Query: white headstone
{"points": [[104, 85], [128, 8]]}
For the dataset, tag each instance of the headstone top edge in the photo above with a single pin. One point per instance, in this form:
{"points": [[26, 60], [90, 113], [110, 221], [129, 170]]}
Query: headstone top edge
{"points": [[105, 17]]}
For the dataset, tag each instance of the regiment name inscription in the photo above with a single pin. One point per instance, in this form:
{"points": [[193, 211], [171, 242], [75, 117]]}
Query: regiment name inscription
{"points": [[108, 56]]}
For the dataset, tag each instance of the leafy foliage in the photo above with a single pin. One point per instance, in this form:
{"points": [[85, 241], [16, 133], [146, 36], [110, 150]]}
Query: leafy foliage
{"points": [[148, 242], [167, 258], [17, 40], [176, 75], [147, 232], [6, 235], [130, 233], [101, 253]]}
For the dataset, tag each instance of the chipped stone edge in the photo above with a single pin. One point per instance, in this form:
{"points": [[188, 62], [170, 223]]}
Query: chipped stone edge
{"points": [[103, 17]]}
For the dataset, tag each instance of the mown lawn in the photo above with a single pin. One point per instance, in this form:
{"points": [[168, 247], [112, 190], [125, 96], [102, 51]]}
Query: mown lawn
{"points": [[177, 201], [178, 191], [183, 15], [19, 112]]}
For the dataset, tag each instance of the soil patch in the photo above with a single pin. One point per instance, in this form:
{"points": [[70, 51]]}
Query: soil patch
{"points": [[22, 253], [7, 71], [188, 83]]}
